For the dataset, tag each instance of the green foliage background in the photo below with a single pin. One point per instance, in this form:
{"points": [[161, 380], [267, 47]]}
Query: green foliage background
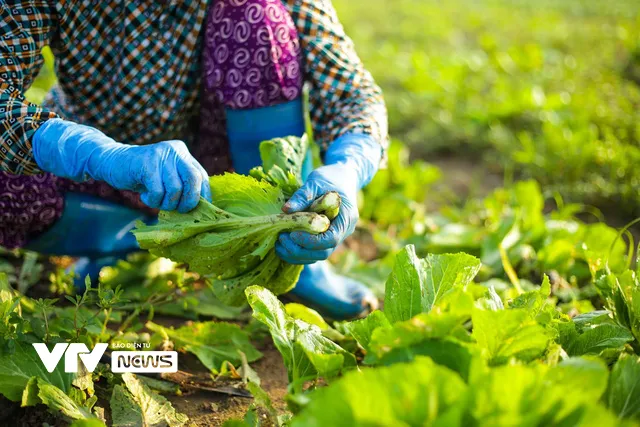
{"points": [[547, 89]]}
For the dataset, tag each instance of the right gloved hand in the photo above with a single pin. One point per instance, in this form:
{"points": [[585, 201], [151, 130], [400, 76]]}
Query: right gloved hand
{"points": [[165, 173]]}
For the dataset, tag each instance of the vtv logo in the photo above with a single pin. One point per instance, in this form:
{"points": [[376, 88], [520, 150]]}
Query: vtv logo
{"points": [[50, 359]]}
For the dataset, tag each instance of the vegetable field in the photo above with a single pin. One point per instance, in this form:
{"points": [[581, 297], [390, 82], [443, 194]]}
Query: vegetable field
{"points": [[509, 286]]}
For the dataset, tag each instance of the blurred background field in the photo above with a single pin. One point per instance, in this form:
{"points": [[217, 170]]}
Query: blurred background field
{"points": [[548, 90]]}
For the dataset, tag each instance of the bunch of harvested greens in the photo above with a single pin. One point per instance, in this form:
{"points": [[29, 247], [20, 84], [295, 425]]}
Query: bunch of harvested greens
{"points": [[231, 241]]}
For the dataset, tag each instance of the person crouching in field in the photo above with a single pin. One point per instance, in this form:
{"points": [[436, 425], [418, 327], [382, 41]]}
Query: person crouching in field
{"points": [[153, 97]]}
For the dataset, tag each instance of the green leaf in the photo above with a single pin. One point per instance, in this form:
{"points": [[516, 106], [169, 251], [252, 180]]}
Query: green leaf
{"points": [[533, 301], [411, 394], [30, 393], [58, 401], [438, 335], [19, 367], [202, 302], [539, 395], [84, 379], [504, 334], [305, 351], [447, 272], [416, 285], [306, 314], [592, 319], [361, 330], [423, 326], [449, 353], [134, 404], [597, 339], [405, 287], [90, 422], [212, 342], [161, 386], [282, 160], [263, 401], [623, 394]]}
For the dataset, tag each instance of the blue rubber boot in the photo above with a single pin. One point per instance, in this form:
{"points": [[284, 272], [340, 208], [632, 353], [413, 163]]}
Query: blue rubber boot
{"points": [[319, 287], [94, 229], [335, 296]]}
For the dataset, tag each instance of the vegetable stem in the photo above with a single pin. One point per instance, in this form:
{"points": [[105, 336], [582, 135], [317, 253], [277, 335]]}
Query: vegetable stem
{"points": [[328, 204], [508, 268]]}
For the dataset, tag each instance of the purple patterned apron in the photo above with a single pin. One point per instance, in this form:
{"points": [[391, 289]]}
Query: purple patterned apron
{"points": [[251, 59]]}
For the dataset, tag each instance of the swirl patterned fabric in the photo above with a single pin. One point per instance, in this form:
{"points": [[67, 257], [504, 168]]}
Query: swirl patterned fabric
{"points": [[252, 55], [28, 205]]}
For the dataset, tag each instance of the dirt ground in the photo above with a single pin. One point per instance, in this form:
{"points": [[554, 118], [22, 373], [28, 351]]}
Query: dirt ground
{"points": [[213, 409]]}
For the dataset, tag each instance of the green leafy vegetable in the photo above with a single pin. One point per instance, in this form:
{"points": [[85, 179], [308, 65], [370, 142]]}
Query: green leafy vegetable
{"points": [[391, 396], [20, 366], [212, 342], [232, 239], [306, 352], [440, 336], [504, 334], [282, 160], [595, 340], [538, 395], [415, 284], [623, 393], [58, 401], [134, 404], [362, 330], [306, 314]]}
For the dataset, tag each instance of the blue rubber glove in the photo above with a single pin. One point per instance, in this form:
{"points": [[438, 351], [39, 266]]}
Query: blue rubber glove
{"points": [[165, 174], [350, 163]]}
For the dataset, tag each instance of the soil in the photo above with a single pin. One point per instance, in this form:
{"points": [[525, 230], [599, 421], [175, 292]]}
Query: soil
{"points": [[213, 409]]}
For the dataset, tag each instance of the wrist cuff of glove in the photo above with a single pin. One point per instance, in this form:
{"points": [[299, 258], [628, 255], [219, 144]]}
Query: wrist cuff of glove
{"points": [[360, 150], [68, 149]]}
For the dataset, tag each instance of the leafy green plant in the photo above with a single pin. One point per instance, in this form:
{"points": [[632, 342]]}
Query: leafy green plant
{"points": [[212, 342], [454, 343], [135, 404], [307, 353]]}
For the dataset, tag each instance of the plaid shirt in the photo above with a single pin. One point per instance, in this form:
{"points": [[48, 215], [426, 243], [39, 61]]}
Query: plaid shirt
{"points": [[131, 68]]}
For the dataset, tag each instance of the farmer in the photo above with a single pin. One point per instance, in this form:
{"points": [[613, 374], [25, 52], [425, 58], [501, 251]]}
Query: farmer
{"points": [[130, 129]]}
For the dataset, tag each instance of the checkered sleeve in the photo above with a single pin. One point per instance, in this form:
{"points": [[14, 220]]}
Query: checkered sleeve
{"points": [[343, 96], [25, 27]]}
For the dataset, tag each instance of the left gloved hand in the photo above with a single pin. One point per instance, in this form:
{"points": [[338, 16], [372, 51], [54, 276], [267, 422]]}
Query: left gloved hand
{"points": [[351, 162]]}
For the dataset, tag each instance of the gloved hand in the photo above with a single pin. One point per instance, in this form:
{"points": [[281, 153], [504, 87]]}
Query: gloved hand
{"points": [[165, 174], [350, 163]]}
